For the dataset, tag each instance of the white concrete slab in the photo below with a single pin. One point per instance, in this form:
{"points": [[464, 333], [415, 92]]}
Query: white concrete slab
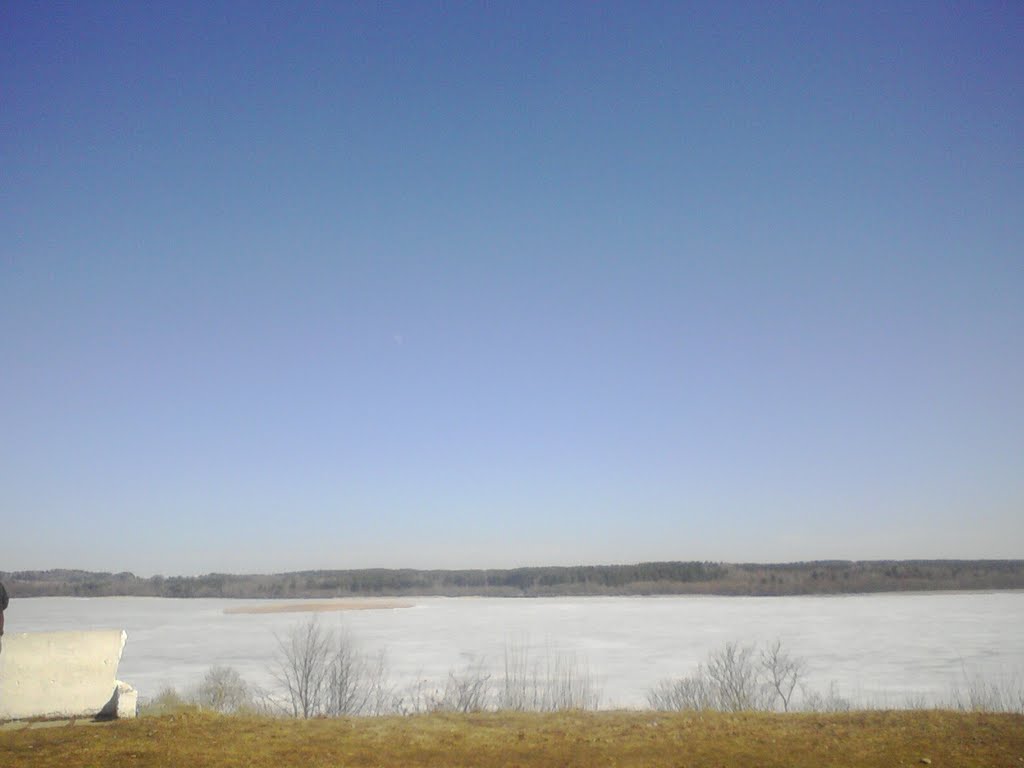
{"points": [[59, 674], [127, 701]]}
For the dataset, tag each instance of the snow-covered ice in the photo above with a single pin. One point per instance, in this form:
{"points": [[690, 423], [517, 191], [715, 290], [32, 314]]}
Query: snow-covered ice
{"points": [[878, 649]]}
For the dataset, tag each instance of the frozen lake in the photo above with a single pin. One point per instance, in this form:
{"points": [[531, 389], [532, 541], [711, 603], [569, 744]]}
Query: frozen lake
{"points": [[878, 649]]}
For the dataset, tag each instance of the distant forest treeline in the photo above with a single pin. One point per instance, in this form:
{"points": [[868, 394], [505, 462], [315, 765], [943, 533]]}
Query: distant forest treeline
{"points": [[669, 578]]}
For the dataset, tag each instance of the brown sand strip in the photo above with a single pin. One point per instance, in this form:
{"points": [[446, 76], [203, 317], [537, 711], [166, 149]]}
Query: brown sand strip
{"points": [[336, 605]]}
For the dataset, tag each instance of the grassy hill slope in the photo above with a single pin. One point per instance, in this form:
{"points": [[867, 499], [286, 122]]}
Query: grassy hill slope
{"points": [[533, 740]]}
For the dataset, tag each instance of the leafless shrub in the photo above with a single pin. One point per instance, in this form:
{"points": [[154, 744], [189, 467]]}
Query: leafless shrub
{"points": [[980, 695], [783, 672], [323, 673], [558, 682], [830, 701], [167, 701], [733, 679], [265, 702], [355, 684], [301, 668], [569, 684], [736, 679], [916, 701], [521, 684], [223, 690], [687, 693], [468, 690], [415, 699], [381, 698]]}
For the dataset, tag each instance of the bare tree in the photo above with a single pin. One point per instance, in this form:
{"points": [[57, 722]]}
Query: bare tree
{"points": [[736, 679], [783, 672], [302, 667], [355, 684], [324, 673], [223, 690], [732, 680]]}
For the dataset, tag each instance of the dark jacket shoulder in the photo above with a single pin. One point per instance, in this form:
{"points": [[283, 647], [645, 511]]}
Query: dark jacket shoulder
{"points": [[3, 597]]}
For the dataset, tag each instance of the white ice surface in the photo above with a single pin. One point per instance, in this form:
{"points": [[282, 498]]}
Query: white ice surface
{"points": [[879, 649]]}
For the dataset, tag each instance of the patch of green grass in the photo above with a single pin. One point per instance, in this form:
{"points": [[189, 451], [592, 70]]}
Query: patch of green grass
{"points": [[533, 740]]}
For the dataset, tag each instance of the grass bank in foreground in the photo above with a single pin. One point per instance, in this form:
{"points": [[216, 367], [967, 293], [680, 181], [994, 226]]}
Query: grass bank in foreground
{"points": [[533, 740]]}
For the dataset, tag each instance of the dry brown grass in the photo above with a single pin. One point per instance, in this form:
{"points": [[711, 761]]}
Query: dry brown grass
{"points": [[534, 740]]}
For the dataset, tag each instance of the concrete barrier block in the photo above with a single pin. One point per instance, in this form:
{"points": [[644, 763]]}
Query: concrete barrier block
{"points": [[59, 674], [127, 701]]}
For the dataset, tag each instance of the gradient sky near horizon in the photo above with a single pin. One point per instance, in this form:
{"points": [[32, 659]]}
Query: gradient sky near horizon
{"points": [[324, 285]]}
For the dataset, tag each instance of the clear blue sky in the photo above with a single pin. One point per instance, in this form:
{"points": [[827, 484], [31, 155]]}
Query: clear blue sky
{"points": [[289, 286]]}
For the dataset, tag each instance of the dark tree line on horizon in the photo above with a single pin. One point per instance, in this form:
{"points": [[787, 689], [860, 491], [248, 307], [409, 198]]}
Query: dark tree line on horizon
{"points": [[658, 578]]}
